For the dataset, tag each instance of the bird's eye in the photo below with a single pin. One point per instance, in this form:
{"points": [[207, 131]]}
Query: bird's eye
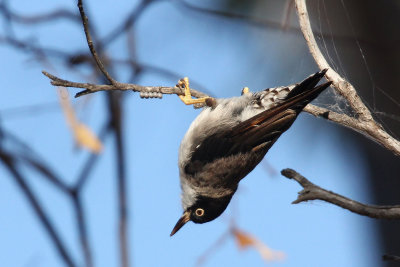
{"points": [[199, 212]]}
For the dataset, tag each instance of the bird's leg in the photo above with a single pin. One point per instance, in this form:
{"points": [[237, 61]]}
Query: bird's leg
{"points": [[187, 98]]}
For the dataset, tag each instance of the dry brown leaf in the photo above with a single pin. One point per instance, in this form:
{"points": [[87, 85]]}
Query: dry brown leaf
{"points": [[83, 136], [245, 240], [86, 138]]}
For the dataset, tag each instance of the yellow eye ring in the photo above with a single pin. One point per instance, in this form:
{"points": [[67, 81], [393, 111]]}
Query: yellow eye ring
{"points": [[199, 212]]}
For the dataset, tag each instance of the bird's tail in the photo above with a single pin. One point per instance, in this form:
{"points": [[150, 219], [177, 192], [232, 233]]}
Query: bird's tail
{"points": [[289, 107], [305, 92]]}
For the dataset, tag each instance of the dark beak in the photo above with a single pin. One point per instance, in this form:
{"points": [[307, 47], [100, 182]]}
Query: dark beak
{"points": [[184, 219]]}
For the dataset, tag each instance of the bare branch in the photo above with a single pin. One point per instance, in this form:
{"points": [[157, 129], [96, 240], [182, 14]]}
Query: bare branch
{"points": [[339, 118], [313, 192], [145, 91], [364, 122], [91, 46]]}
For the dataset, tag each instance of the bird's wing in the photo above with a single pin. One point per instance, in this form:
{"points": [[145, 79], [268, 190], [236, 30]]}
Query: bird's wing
{"points": [[242, 138], [260, 131]]}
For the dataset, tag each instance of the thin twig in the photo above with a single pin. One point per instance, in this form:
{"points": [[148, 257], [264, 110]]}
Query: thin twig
{"points": [[313, 192], [364, 121], [91, 46], [144, 67], [92, 88], [339, 118]]}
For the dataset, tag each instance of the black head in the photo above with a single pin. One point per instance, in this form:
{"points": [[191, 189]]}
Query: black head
{"points": [[205, 209]]}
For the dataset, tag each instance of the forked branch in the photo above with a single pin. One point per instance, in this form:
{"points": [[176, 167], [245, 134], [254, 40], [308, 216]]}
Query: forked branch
{"points": [[364, 122], [145, 91], [313, 192]]}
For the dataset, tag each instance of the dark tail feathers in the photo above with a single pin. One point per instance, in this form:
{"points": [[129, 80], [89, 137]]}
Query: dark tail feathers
{"points": [[305, 92]]}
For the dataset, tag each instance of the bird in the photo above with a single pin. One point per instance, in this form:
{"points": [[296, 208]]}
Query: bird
{"points": [[229, 138]]}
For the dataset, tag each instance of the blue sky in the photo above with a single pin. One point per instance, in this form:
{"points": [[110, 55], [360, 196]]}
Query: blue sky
{"points": [[222, 57]]}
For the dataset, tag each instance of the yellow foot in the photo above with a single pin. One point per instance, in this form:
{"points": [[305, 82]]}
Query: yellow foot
{"points": [[187, 98], [245, 90]]}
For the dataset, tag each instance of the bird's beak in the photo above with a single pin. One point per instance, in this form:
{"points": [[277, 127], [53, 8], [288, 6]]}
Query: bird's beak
{"points": [[184, 219]]}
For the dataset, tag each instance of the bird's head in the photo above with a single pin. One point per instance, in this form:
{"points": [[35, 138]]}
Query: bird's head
{"points": [[203, 210]]}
